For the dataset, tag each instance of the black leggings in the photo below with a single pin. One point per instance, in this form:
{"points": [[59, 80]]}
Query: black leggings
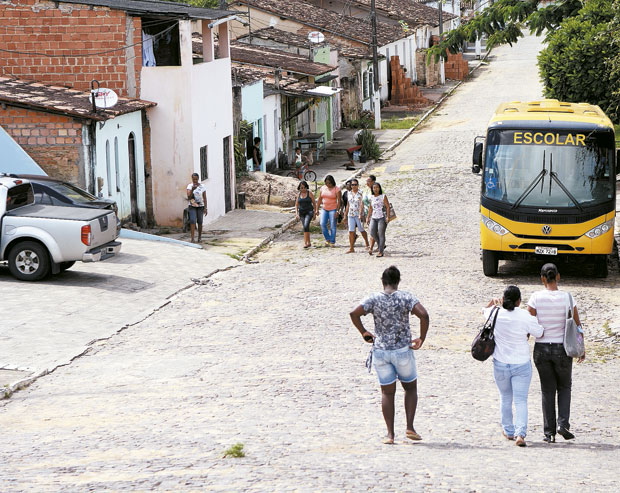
{"points": [[306, 217]]}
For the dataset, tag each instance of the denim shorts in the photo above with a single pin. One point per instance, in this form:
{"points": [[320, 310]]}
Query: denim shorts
{"points": [[393, 364], [195, 214], [355, 221]]}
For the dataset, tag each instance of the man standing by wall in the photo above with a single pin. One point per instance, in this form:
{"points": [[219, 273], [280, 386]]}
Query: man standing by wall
{"points": [[392, 352]]}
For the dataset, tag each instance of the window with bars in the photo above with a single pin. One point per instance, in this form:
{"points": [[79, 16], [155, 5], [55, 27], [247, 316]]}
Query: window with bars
{"points": [[204, 161]]}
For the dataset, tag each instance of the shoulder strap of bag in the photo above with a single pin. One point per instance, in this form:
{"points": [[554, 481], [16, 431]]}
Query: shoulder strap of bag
{"points": [[495, 318], [571, 312]]}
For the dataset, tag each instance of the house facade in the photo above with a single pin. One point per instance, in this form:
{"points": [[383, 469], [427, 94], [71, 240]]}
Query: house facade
{"points": [[140, 50], [58, 127]]}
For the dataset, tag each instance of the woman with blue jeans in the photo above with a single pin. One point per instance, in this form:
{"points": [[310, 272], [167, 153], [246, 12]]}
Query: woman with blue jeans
{"points": [[512, 367], [331, 199]]}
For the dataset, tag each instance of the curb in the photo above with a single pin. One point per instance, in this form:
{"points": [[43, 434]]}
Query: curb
{"points": [[434, 108]]}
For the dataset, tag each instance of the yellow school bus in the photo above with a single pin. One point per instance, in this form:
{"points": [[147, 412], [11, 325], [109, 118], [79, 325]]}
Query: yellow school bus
{"points": [[548, 184]]}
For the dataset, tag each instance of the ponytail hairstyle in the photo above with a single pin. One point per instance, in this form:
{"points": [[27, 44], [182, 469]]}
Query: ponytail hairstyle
{"points": [[512, 295], [549, 272]]}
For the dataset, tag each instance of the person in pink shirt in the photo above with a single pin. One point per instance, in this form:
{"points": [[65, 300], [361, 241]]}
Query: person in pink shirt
{"points": [[330, 197]]}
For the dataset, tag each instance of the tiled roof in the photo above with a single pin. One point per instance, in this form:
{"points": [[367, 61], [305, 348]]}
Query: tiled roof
{"points": [[58, 99], [157, 8], [326, 21], [301, 41], [411, 12], [267, 57], [242, 75]]}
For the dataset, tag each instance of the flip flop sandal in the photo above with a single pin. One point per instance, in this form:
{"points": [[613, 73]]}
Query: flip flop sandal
{"points": [[412, 435], [388, 441]]}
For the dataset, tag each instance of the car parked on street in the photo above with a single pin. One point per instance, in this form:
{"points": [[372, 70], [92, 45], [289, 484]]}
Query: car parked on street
{"points": [[36, 239], [50, 191]]}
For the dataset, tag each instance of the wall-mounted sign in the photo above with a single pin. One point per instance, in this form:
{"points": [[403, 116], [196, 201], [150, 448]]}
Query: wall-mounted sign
{"points": [[104, 97], [316, 37]]}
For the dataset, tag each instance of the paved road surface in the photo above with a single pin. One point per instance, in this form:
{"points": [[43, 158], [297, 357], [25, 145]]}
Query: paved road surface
{"points": [[264, 355]]}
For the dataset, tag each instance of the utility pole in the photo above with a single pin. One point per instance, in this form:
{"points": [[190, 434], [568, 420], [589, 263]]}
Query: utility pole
{"points": [[375, 66], [441, 61]]}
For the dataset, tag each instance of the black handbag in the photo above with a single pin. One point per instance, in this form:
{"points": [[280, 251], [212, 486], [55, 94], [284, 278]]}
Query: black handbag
{"points": [[484, 343]]}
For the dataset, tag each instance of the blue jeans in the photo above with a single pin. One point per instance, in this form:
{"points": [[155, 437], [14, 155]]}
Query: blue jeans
{"points": [[328, 232], [513, 382]]}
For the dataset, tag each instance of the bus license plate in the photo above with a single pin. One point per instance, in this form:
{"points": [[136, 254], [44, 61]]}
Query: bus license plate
{"points": [[542, 250]]}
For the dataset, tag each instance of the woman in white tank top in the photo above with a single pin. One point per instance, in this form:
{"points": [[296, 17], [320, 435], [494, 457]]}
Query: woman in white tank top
{"points": [[551, 307]]}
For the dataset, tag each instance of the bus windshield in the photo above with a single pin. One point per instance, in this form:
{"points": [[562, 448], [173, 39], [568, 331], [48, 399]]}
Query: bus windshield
{"points": [[549, 169]]}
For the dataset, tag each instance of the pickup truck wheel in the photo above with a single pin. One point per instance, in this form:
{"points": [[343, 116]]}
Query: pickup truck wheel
{"points": [[29, 261], [66, 265]]}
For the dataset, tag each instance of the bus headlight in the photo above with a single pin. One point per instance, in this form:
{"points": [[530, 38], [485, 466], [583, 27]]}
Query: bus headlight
{"points": [[601, 229], [493, 226]]}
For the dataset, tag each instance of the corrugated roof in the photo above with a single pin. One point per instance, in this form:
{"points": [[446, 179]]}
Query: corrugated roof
{"points": [[327, 21], [157, 8], [58, 99]]}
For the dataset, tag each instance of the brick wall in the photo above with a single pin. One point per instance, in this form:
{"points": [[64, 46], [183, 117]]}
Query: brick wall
{"points": [[404, 91], [428, 73], [53, 141], [77, 32], [456, 67]]}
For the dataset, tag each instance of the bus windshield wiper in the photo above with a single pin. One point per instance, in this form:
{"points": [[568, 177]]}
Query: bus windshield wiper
{"points": [[528, 190], [553, 176]]}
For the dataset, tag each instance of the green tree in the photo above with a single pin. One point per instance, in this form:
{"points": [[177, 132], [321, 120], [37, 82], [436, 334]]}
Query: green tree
{"points": [[581, 61]]}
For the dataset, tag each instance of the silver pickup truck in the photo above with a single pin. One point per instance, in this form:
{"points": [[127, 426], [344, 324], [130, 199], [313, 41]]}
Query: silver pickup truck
{"points": [[38, 239]]}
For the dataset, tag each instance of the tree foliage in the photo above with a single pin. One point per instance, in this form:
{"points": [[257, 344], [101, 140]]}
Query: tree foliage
{"points": [[212, 4], [574, 66], [581, 62]]}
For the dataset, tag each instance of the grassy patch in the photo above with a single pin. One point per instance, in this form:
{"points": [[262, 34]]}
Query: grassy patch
{"points": [[617, 128], [399, 123], [234, 451], [600, 353]]}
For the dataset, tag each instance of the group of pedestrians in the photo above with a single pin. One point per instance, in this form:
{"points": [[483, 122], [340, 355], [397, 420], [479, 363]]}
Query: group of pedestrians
{"points": [[369, 209], [392, 354]]}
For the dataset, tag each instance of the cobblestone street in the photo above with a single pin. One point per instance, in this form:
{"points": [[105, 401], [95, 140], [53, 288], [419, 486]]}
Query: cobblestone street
{"points": [[265, 355]]}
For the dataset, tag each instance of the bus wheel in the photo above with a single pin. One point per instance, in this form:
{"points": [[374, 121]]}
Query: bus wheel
{"points": [[600, 266], [490, 263]]}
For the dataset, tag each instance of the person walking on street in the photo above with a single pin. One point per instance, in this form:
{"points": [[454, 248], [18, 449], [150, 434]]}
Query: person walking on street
{"points": [[552, 307], [353, 213], [305, 207], [330, 197], [257, 156], [512, 368], [377, 218], [197, 196], [392, 354]]}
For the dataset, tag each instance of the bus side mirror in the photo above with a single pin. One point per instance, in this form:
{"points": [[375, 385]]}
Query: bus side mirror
{"points": [[477, 157]]}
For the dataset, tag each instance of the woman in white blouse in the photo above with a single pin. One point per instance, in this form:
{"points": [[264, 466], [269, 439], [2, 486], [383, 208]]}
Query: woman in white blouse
{"points": [[512, 367]]}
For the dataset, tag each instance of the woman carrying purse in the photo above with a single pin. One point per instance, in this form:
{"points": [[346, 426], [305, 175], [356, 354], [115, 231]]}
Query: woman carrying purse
{"points": [[512, 368], [551, 306]]}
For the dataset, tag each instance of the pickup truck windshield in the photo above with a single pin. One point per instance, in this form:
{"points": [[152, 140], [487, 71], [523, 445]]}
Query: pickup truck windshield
{"points": [[549, 168], [19, 196]]}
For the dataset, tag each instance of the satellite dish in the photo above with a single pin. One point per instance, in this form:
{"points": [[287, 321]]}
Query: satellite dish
{"points": [[104, 97], [316, 37]]}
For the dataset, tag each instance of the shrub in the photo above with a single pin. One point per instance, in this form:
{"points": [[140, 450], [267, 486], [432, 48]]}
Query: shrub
{"points": [[368, 141]]}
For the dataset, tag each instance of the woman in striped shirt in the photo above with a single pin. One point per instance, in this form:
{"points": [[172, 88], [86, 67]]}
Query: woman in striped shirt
{"points": [[551, 307]]}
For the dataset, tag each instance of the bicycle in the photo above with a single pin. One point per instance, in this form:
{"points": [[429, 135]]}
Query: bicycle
{"points": [[304, 172]]}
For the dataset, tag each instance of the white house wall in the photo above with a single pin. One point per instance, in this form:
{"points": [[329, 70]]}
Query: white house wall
{"points": [[194, 108], [272, 134], [405, 50], [116, 181]]}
